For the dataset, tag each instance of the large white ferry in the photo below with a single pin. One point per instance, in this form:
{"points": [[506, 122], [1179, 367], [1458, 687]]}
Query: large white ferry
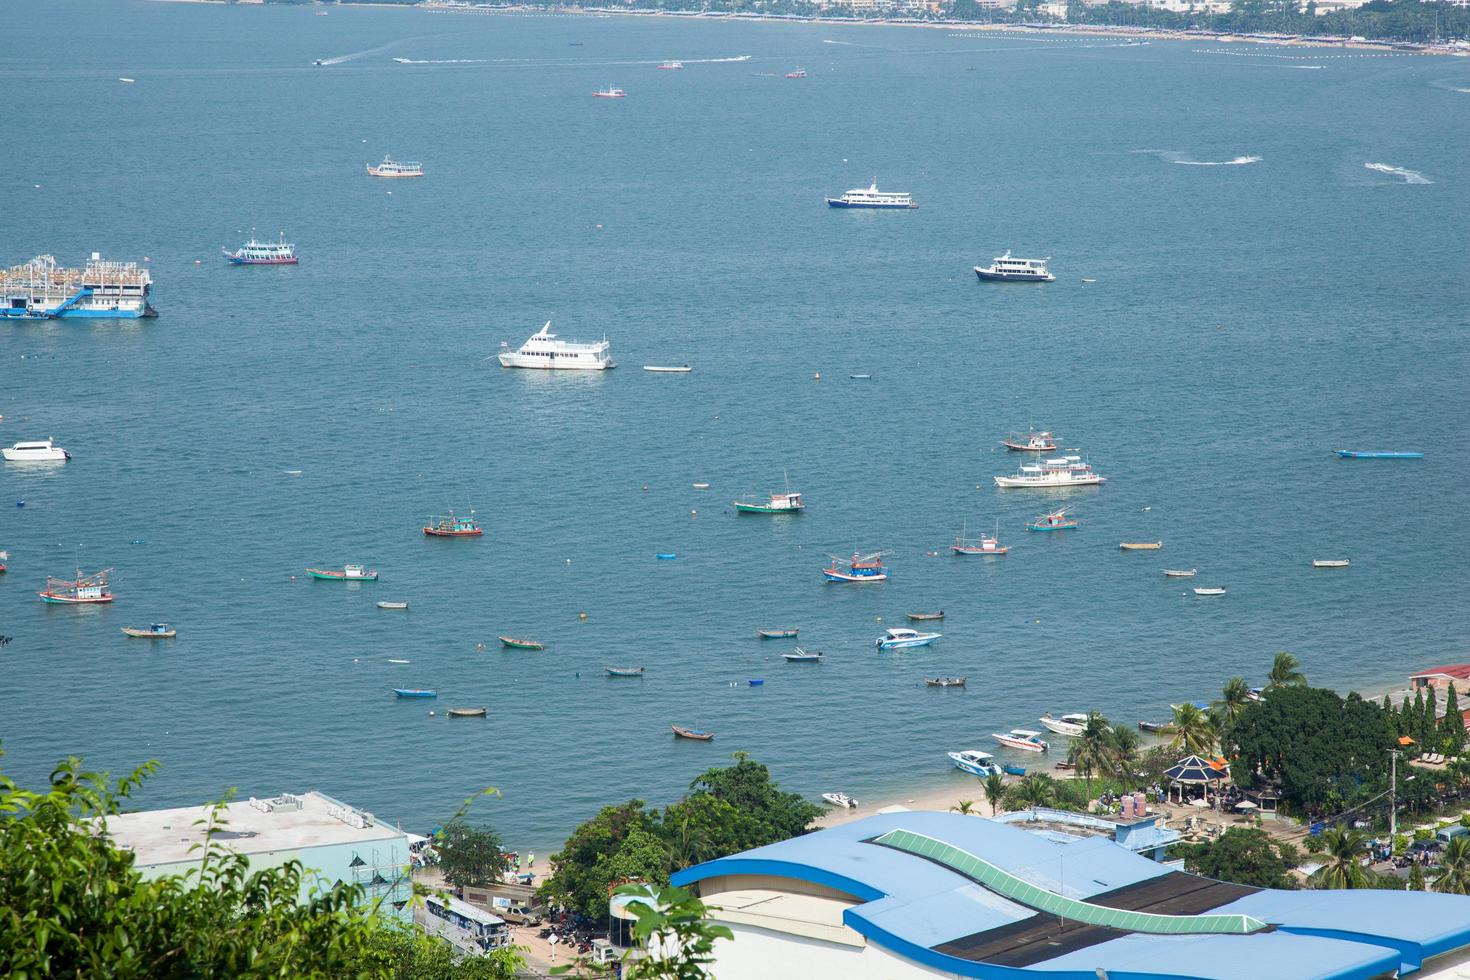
{"points": [[394, 168], [872, 197], [545, 350], [40, 290], [1007, 269], [1064, 471]]}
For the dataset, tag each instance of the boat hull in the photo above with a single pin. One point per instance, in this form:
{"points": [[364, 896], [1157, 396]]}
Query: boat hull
{"points": [[466, 712], [331, 576], [832, 576], [798, 658], [1021, 483], [776, 634], [692, 734], [972, 767], [514, 360], [765, 509], [1019, 743], [515, 644], [233, 260], [61, 600], [833, 202], [906, 644], [149, 634], [1141, 546], [434, 532], [1051, 527], [1022, 447], [623, 672], [404, 692], [960, 549], [989, 276], [1362, 454], [22, 456]]}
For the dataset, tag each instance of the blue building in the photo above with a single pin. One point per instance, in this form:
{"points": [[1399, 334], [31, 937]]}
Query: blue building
{"points": [[914, 894]]}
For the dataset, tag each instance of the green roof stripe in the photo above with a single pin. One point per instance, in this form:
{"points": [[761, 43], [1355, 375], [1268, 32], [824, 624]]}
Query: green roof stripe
{"points": [[1017, 889]]}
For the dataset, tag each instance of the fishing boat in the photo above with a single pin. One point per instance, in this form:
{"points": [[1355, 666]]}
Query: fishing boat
{"points": [[778, 633], [1050, 474], [692, 733], [514, 644], [1006, 269], [872, 198], [1011, 769], [1031, 442], [1021, 738], [348, 573], [392, 605], [624, 671], [42, 451], [860, 568], [661, 369], [922, 617], [1153, 727], [157, 631], [453, 526], [671, 66], [982, 546], [414, 692], [1330, 563], [609, 93], [466, 712], [1141, 545], [393, 168], [839, 799], [1180, 572], [1055, 521], [903, 638], [944, 682], [777, 503], [800, 656], [256, 252], [975, 762], [1069, 725], [80, 591], [1373, 454], [1212, 591]]}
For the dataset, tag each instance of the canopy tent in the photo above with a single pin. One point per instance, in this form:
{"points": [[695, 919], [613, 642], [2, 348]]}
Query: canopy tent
{"points": [[1194, 771]]}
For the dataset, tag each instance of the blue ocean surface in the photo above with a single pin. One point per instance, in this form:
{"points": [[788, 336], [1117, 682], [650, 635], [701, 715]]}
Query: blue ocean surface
{"points": [[1238, 294]]}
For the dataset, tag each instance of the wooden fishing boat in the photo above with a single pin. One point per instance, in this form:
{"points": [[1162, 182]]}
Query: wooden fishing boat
{"points": [[1141, 545], [860, 568], [692, 733], [944, 681], [1055, 521], [1330, 563], [348, 573], [157, 631], [800, 656], [82, 590], [1372, 454], [624, 671], [1180, 572], [453, 527], [1031, 442], [466, 712], [392, 605], [923, 616], [778, 633], [776, 503], [514, 644], [415, 692], [1209, 591]]}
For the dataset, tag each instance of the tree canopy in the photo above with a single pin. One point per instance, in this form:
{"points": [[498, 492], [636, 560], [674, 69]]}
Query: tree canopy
{"points": [[1245, 855], [470, 855]]}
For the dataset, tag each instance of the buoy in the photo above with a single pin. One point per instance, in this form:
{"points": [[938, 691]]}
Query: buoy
{"points": [[694, 513], [20, 503], [431, 714], [479, 646], [568, 561], [293, 578], [198, 262], [645, 488], [817, 376], [581, 615], [878, 619]]}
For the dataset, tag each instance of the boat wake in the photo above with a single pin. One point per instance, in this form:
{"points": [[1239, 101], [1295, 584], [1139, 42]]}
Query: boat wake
{"points": [[443, 61], [555, 62], [341, 59], [1174, 156], [1409, 176]]}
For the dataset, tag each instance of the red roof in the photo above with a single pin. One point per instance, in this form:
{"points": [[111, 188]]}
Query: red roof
{"points": [[1457, 671]]}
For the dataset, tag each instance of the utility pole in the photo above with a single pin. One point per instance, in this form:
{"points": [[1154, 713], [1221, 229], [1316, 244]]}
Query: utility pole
{"points": [[1393, 808]]}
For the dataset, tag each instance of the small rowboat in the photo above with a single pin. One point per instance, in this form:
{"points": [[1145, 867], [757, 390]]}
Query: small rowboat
{"points": [[348, 573], [466, 712], [800, 656], [1329, 563], [944, 681], [656, 369], [923, 616], [392, 605], [756, 681], [1141, 545], [514, 644], [1180, 572], [839, 799], [414, 692], [777, 634], [1014, 770], [1214, 591], [692, 733], [158, 631], [1370, 454], [624, 671]]}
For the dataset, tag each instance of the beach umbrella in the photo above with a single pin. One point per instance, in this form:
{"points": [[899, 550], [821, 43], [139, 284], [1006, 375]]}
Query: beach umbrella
{"points": [[1245, 805]]}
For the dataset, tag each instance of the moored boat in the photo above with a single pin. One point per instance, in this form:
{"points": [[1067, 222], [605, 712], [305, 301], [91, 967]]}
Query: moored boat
{"points": [[80, 591], [1376, 454], [348, 573], [1330, 562], [42, 290], [515, 644], [798, 73], [903, 638], [800, 656], [41, 451], [1021, 738], [975, 762], [660, 369], [609, 93], [544, 350], [777, 633], [453, 526], [392, 605], [466, 712], [1011, 769], [944, 682], [1055, 521], [1070, 725], [777, 503], [860, 568], [256, 252], [1209, 591], [1141, 545], [1153, 727], [839, 799], [981, 546], [624, 671], [393, 168], [1031, 442], [156, 631], [872, 197], [1050, 474], [924, 616], [694, 734], [1006, 269], [671, 66], [1180, 572], [415, 692]]}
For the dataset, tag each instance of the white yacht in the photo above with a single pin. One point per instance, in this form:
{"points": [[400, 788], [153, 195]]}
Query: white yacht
{"points": [[872, 197], [35, 452], [1063, 471], [974, 762], [1007, 269], [545, 350], [1069, 725]]}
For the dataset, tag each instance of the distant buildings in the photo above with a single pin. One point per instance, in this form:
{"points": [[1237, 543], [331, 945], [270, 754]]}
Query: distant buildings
{"points": [[1441, 679]]}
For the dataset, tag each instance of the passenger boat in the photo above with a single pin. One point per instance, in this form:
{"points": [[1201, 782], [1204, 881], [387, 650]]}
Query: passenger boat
{"points": [[348, 573], [414, 692], [102, 289], [839, 799], [922, 617], [800, 656], [393, 168], [1153, 727], [1007, 269], [514, 644], [256, 252], [1011, 769], [1330, 563], [670, 66], [975, 762], [983, 546], [1055, 521], [82, 590], [692, 733], [860, 568], [1180, 572], [44, 451], [1141, 545], [1021, 738], [903, 638], [1069, 725], [1063, 471], [871, 197], [453, 527], [1214, 591], [624, 671], [466, 712], [778, 634], [944, 682], [1031, 442], [667, 369], [1367, 454], [609, 93], [157, 631], [392, 605], [543, 350], [798, 73]]}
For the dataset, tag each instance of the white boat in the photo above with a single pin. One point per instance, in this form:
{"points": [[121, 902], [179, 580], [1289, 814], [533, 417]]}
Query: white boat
{"points": [[975, 762], [1180, 572], [544, 350], [872, 197], [392, 605], [1069, 725], [901, 638], [35, 452], [1330, 563], [657, 369], [671, 66], [394, 168], [1209, 591], [839, 799], [1021, 738], [1007, 269], [1062, 471], [609, 93]]}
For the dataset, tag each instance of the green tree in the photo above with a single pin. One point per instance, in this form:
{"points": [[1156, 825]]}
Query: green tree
{"points": [[675, 925], [757, 811], [1035, 789], [1392, 716], [1416, 877], [579, 871], [470, 855], [964, 808], [1342, 867], [1244, 855], [1191, 730], [1091, 751], [1285, 672], [1429, 725], [995, 791], [1454, 868], [1452, 729], [1234, 698], [687, 841], [1123, 745]]}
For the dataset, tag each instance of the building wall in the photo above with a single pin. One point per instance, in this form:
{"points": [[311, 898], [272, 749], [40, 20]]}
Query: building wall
{"points": [[761, 954]]}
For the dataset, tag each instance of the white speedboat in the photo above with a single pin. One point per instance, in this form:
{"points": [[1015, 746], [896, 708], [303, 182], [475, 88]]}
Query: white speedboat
{"points": [[1007, 269], [1069, 725], [1021, 738], [1063, 471], [670, 369], [839, 799], [872, 197], [545, 350], [901, 638], [975, 762], [35, 452]]}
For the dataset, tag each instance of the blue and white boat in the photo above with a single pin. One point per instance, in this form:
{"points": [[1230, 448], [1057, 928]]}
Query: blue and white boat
{"points": [[1021, 738], [860, 568], [414, 692], [41, 290], [975, 762], [1373, 454], [901, 638], [872, 197]]}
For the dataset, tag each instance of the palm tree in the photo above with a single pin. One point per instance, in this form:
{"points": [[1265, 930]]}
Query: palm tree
{"points": [[687, 845], [964, 808], [1090, 751], [1284, 672], [1123, 745], [1233, 699], [1036, 789], [995, 789], [1454, 868], [1340, 851], [1193, 732]]}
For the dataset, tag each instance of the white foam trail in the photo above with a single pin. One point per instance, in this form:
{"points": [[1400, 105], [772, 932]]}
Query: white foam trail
{"points": [[359, 54], [1409, 176], [556, 63], [846, 44], [445, 61], [1174, 156]]}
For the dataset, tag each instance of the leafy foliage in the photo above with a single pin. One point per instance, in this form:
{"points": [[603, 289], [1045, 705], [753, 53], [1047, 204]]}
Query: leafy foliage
{"points": [[1342, 866], [470, 855], [1454, 867], [1244, 855]]}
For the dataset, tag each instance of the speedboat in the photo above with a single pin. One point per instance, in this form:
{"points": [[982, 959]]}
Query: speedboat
{"points": [[44, 451], [800, 656], [1031, 442], [860, 568], [1021, 738], [901, 638], [975, 762], [839, 799], [1069, 725], [1007, 269]]}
